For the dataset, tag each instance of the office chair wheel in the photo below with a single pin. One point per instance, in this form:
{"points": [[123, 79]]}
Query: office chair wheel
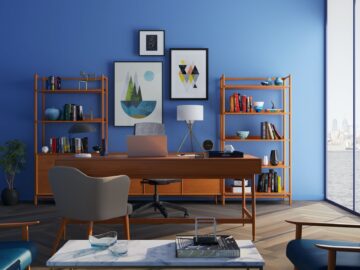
{"points": [[186, 214]]}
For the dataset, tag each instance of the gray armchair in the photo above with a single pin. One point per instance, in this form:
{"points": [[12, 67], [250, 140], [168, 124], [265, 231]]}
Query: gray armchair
{"points": [[80, 198]]}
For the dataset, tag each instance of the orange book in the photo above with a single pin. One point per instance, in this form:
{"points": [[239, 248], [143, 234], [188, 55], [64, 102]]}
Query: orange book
{"points": [[232, 102]]}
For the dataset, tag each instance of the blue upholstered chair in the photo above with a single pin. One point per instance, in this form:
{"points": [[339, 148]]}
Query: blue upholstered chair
{"points": [[17, 255], [309, 254]]}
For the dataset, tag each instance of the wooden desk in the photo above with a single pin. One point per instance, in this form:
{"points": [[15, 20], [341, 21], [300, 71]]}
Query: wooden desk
{"points": [[174, 166]]}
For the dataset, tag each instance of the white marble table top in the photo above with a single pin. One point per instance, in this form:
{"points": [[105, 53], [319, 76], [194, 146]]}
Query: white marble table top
{"points": [[147, 253]]}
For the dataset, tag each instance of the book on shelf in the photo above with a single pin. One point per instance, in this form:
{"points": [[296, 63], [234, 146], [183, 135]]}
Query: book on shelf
{"points": [[68, 145], [268, 131], [269, 182], [240, 103], [237, 189], [73, 112], [238, 182]]}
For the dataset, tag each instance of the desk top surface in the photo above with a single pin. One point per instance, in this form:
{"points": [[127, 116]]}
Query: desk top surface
{"points": [[171, 156], [146, 253]]}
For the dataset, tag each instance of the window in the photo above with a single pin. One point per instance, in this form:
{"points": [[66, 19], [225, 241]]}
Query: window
{"points": [[342, 117]]}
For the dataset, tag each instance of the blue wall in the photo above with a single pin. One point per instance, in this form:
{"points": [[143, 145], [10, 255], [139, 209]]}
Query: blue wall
{"points": [[245, 38]]}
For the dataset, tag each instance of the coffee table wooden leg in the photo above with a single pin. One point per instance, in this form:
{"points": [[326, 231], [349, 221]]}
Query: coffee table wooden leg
{"points": [[253, 208]]}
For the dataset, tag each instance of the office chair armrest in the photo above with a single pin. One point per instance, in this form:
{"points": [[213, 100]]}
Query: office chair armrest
{"points": [[24, 225], [299, 224], [339, 248]]}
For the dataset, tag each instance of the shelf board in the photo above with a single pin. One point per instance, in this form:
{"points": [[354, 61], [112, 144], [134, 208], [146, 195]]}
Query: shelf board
{"points": [[72, 91], [76, 79], [279, 166], [251, 139], [256, 113], [255, 87], [96, 120], [259, 194]]}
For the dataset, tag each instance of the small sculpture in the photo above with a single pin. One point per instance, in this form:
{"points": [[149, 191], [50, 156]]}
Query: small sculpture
{"points": [[278, 81], [267, 82]]}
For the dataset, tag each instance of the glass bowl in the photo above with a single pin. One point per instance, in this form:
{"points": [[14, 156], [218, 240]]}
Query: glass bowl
{"points": [[119, 248], [103, 240]]}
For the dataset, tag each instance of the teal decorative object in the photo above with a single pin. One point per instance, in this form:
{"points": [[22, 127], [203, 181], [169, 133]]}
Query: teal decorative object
{"points": [[243, 134], [52, 114], [278, 81]]}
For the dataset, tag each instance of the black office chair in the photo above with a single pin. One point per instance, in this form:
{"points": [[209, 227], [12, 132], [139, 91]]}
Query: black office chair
{"points": [[156, 129]]}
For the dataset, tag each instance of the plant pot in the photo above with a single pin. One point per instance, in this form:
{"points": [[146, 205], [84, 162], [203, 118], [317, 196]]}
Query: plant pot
{"points": [[9, 196]]}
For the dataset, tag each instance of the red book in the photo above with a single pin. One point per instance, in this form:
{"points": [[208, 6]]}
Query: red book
{"points": [[53, 146], [243, 103], [237, 106]]}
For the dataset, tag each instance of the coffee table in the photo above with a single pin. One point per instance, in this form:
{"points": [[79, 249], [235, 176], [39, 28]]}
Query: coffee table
{"points": [[148, 254]]}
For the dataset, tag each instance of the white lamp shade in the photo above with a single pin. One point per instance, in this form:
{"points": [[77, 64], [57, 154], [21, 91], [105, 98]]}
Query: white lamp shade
{"points": [[190, 113]]}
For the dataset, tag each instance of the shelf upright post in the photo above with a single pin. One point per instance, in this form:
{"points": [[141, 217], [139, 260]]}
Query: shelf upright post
{"points": [[36, 77], [290, 141]]}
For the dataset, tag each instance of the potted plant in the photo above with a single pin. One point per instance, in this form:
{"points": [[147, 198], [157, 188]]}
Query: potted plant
{"points": [[12, 161]]}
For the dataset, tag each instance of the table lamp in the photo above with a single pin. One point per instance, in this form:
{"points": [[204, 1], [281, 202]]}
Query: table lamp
{"points": [[190, 114]]}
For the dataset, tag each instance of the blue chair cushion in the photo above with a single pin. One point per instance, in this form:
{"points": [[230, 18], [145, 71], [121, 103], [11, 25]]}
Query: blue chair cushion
{"points": [[16, 254], [306, 256]]}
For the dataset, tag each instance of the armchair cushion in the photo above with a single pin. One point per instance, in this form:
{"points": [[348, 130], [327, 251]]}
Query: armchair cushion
{"points": [[16, 254], [306, 256]]}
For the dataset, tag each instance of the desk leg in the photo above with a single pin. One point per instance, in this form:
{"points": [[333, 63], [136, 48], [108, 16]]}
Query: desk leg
{"points": [[243, 197], [253, 207]]}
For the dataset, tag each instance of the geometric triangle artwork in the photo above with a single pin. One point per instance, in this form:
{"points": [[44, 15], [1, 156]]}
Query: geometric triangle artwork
{"points": [[188, 74]]}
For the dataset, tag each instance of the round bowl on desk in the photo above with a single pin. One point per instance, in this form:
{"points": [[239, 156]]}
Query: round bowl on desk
{"points": [[243, 134]]}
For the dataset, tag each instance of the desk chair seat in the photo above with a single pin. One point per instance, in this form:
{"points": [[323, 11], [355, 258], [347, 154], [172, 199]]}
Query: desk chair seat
{"points": [[156, 129], [16, 254]]}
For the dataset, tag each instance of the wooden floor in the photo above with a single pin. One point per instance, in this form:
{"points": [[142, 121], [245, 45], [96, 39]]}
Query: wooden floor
{"points": [[272, 232]]}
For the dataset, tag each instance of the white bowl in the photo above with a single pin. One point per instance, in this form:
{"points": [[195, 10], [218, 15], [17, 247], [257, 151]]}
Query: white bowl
{"points": [[259, 103]]}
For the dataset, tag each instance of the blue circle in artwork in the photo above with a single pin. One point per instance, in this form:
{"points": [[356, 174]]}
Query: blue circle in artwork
{"points": [[149, 75]]}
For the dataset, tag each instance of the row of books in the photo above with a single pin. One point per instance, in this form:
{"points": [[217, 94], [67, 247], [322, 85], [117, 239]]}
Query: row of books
{"points": [[269, 182], [73, 112], [240, 103], [68, 145], [269, 131]]}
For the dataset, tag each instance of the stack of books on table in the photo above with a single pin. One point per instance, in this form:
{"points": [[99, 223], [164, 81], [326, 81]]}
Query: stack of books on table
{"points": [[236, 187]]}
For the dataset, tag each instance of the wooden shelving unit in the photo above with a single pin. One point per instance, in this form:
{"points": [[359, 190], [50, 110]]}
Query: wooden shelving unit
{"points": [[284, 144], [43, 162]]}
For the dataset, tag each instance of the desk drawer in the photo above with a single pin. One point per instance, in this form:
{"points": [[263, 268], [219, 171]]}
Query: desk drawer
{"points": [[201, 186], [136, 187]]}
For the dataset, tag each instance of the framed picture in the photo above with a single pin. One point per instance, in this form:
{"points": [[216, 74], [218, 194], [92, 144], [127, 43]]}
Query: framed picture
{"points": [[151, 42], [138, 92], [189, 74]]}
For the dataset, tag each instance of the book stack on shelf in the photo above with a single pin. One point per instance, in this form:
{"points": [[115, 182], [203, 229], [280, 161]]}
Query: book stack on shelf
{"points": [[73, 112], [68, 145], [269, 182], [236, 187], [269, 131], [240, 103]]}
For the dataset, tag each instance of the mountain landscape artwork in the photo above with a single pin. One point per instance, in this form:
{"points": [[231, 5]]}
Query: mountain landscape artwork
{"points": [[134, 105], [138, 93]]}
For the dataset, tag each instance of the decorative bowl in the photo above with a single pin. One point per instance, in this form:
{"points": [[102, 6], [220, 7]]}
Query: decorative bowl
{"points": [[258, 106], [103, 240], [119, 248], [52, 114], [243, 134]]}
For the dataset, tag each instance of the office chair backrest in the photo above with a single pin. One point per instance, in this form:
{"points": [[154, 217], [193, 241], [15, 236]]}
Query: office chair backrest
{"points": [[81, 197], [149, 129]]}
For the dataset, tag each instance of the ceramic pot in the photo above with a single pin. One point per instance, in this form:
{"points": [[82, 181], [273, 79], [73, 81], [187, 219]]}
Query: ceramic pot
{"points": [[9, 196], [274, 158], [278, 81], [52, 114]]}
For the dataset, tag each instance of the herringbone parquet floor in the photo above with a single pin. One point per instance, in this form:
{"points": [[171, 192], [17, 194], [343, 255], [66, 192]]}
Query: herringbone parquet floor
{"points": [[273, 232]]}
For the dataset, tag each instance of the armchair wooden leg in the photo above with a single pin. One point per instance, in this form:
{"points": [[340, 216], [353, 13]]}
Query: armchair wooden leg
{"points": [[90, 228], [59, 235], [331, 260], [127, 227]]}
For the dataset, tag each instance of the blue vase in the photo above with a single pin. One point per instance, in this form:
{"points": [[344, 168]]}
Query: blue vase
{"points": [[279, 81], [52, 114]]}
